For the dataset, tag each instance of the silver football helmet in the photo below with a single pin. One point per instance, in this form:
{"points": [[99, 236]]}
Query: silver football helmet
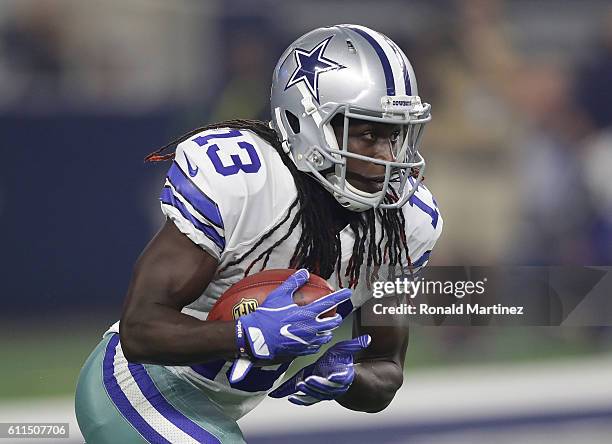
{"points": [[361, 74]]}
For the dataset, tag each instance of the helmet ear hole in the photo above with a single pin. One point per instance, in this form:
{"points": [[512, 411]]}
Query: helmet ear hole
{"points": [[337, 121], [294, 122]]}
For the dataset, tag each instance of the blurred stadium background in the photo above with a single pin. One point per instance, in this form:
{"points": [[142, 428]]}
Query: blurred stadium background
{"points": [[520, 161]]}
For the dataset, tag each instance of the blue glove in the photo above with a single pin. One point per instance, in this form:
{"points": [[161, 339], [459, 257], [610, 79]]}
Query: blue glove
{"points": [[279, 327], [328, 378]]}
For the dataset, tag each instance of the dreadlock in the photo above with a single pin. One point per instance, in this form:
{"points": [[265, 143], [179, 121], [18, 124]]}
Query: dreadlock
{"points": [[321, 219]]}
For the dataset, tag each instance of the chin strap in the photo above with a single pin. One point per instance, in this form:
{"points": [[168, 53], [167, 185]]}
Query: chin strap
{"points": [[346, 201]]}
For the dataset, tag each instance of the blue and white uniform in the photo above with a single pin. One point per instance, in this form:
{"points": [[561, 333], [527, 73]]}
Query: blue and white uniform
{"points": [[225, 190]]}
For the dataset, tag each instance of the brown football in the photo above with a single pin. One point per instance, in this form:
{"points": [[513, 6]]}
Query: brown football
{"points": [[246, 295]]}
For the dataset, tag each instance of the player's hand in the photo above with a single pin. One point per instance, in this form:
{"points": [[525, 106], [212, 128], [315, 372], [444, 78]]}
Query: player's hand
{"points": [[328, 378], [279, 327]]}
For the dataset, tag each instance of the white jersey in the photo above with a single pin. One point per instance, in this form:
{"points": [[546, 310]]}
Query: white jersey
{"points": [[228, 188]]}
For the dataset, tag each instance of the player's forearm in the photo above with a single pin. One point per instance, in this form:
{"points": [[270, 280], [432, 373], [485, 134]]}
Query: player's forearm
{"points": [[168, 337], [374, 387]]}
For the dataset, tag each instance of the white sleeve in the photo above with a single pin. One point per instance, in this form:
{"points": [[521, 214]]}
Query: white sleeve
{"points": [[188, 200], [423, 226], [217, 191]]}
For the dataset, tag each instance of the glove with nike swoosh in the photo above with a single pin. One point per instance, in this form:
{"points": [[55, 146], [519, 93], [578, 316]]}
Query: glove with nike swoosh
{"points": [[279, 327], [326, 379]]}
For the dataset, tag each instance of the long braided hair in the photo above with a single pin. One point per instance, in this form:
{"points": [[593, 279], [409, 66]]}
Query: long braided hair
{"points": [[321, 219]]}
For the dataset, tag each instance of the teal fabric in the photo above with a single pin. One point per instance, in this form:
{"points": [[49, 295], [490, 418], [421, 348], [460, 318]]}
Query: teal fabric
{"points": [[101, 422]]}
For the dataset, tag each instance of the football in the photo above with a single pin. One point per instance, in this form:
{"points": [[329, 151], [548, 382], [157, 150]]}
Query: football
{"points": [[246, 295]]}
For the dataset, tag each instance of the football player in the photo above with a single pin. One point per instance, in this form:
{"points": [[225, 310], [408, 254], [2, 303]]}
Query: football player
{"points": [[331, 185]]}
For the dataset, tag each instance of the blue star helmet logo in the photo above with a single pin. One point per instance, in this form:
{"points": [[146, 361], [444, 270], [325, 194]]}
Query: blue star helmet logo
{"points": [[310, 65]]}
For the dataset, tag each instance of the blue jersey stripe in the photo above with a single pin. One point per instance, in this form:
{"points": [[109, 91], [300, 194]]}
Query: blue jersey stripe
{"points": [[157, 400], [192, 194], [121, 401], [168, 198], [383, 59], [424, 258]]}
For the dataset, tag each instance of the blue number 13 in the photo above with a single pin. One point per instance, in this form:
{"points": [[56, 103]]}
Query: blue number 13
{"points": [[237, 164]]}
